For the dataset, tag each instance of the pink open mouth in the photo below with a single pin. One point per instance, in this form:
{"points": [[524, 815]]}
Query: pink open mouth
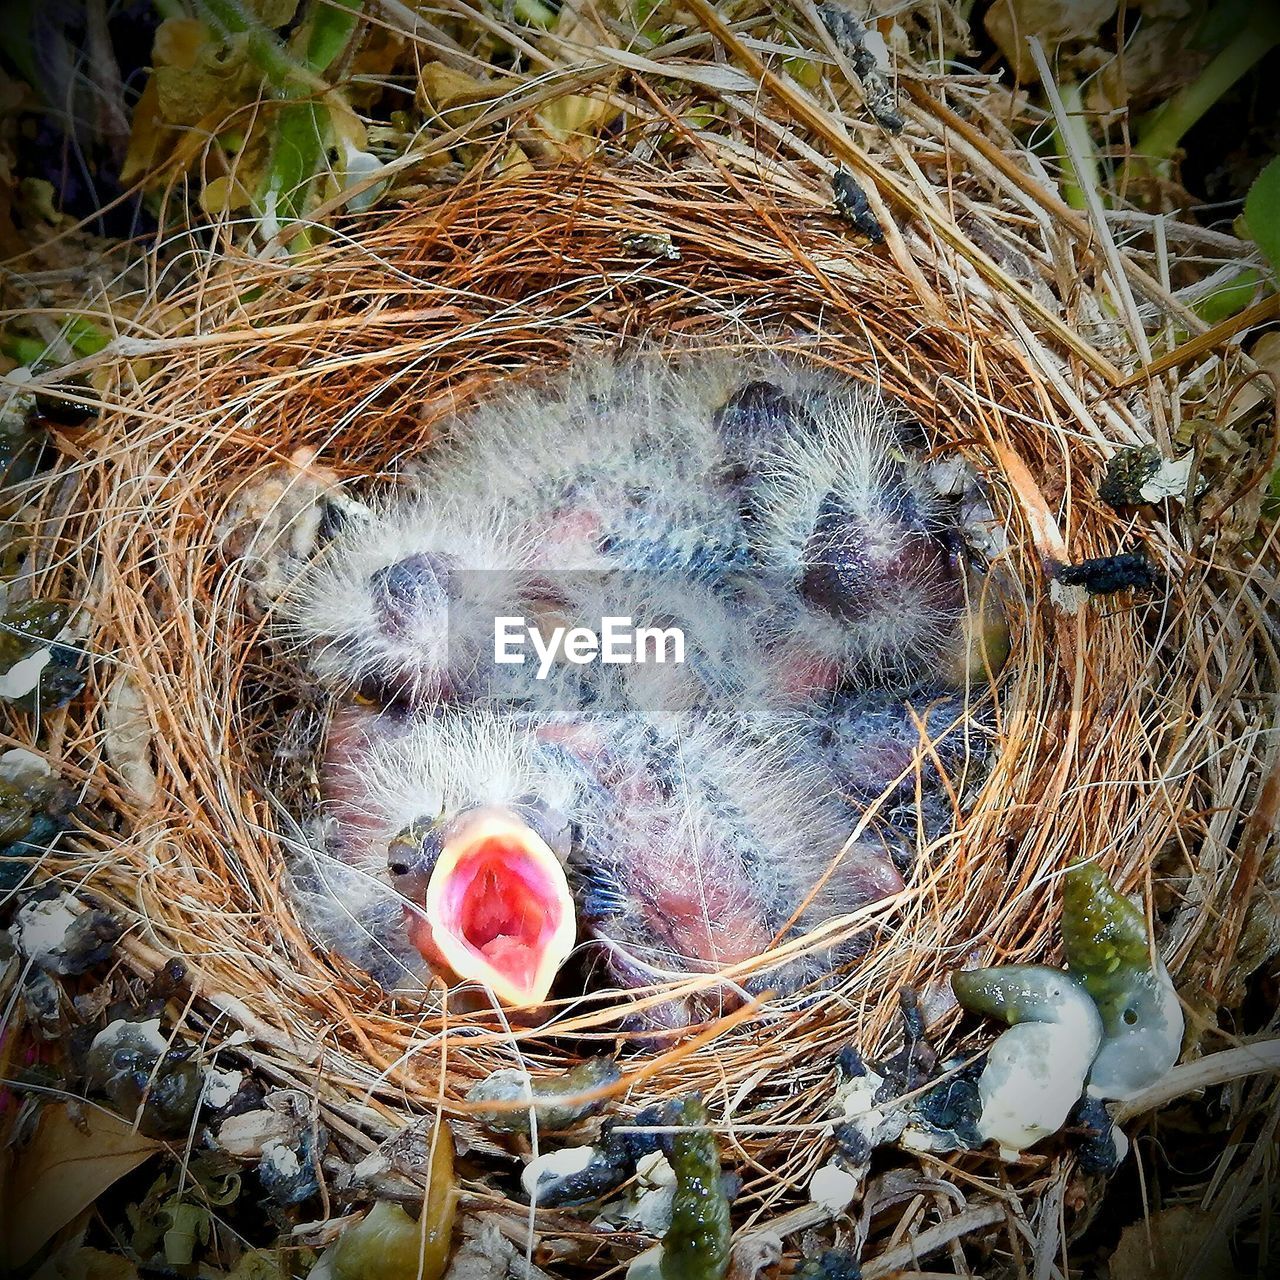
{"points": [[498, 909]]}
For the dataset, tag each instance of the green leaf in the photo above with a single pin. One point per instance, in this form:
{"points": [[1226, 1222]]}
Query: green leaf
{"points": [[389, 1245], [1228, 299], [1262, 213], [189, 1225], [17, 38], [301, 135], [230, 18], [1220, 24], [332, 23], [85, 337], [17, 346]]}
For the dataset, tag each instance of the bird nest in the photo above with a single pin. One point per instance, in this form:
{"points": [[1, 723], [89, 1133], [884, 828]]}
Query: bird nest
{"points": [[1121, 723]]}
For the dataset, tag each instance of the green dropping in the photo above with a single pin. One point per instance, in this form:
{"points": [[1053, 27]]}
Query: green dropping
{"points": [[1105, 939], [696, 1245], [16, 813], [26, 626], [556, 1100], [24, 630], [34, 808], [160, 1090], [1103, 933], [19, 455], [1017, 993]]}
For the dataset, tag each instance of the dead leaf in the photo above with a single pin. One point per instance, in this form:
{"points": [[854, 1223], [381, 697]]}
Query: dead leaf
{"points": [[83, 1263], [224, 195], [574, 116], [197, 74], [147, 137], [250, 1133], [1054, 22], [275, 13], [578, 22], [62, 1171], [186, 97], [1173, 1244], [1266, 352], [457, 98], [377, 55], [128, 738], [515, 163], [178, 42]]}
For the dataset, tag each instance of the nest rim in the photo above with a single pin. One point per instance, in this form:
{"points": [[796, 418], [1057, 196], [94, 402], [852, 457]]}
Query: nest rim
{"points": [[247, 388]]}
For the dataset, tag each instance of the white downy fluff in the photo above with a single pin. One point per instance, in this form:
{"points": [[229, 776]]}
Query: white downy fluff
{"points": [[617, 465]]}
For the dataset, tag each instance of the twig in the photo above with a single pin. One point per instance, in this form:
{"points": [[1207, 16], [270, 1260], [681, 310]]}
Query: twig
{"points": [[1097, 215], [933, 1239], [809, 115], [1218, 1068], [1204, 342]]}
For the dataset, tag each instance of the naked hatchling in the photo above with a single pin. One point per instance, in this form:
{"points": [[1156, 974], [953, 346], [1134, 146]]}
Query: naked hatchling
{"points": [[616, 672]]}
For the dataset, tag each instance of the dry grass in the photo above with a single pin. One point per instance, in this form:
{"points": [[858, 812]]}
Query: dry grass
{"points": [[1130, 732]]}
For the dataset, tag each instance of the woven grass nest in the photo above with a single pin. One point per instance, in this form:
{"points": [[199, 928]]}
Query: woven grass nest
{"points": [[1127, 728]]}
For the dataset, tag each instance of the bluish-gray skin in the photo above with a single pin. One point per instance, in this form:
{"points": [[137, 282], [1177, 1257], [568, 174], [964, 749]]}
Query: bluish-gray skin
{"points": [[870, 742], [689, 857], [641, 475]]}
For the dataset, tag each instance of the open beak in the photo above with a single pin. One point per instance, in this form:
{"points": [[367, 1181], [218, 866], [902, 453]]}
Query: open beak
{"points": [[498, 909]]}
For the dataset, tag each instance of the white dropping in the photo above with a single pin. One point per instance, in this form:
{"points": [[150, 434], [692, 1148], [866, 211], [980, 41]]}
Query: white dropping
{"points": [[20, 766], [647, 1265], [834, 1188], [1168, 480], [654, 1170], [358, 165], [221, 1087], [142, 1036], [1035, 1071], [282, 1159], [874, 43], [552, 1165], [24, 675], [1034, 1076], [1134, 1057], [40, 929]]}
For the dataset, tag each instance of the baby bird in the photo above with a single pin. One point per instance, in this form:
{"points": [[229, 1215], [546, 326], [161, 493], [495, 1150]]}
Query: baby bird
{"points": [[699, 850], [843, 517], [682, 817], [462, 821], [400, 603], [677, 850], [798, 496], [907, 753], [618, 464]]}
